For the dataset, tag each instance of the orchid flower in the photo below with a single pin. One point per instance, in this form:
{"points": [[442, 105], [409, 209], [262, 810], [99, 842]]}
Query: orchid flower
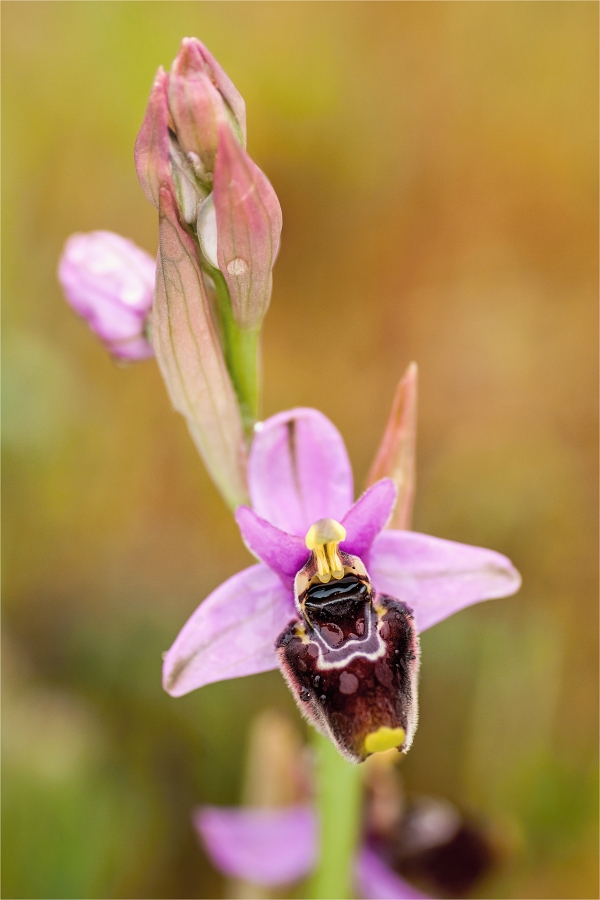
{"points": [[336, 601], [109, 282], [275, 847]]}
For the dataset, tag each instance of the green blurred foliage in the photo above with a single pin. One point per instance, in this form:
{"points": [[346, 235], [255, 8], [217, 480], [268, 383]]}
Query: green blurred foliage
{"points": [[437, 168]]}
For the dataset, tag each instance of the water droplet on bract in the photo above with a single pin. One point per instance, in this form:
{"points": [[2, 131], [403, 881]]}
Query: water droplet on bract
{"points": [[304, 695], [237, 266]]}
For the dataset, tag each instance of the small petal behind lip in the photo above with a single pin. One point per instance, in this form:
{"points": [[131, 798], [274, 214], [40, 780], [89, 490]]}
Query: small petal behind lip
{"points": [[368, 517]]}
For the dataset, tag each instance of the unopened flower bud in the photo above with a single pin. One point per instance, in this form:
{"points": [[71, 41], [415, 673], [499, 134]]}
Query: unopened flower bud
{"points": [[196, 107], [109, 281], [194, 60], [249, 228]]}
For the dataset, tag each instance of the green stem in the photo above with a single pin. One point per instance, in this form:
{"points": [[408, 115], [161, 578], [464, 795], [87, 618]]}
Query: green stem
{"points": [[339, 807], [240, 348]]}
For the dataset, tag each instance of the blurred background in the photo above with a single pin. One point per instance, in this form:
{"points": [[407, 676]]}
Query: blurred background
{"points": [[437, 168]]}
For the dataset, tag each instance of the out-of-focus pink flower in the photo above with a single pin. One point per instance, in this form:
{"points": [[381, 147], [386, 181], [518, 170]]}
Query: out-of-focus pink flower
{"points": [[266, 846], [275, 847], [109, 281]]}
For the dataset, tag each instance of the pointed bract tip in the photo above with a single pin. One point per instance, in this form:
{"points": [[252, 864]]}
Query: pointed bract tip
{"points": [[396, 456], [151, 151]]}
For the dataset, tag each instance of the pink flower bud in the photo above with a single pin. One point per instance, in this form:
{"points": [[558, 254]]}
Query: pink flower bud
{"points": [[196, 107], [194, 59], [248, 229], [110, 283], [395, 457]]}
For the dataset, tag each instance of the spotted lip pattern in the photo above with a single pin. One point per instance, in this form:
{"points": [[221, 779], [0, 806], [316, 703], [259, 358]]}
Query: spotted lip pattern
{"points": [[352, 690]]}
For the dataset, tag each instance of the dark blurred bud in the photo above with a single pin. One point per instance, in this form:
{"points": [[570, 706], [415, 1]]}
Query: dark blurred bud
{"points": [[439, 846], [429, 840]]}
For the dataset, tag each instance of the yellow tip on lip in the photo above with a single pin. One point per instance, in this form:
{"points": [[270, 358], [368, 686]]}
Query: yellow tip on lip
{"points": [[384, 739]]}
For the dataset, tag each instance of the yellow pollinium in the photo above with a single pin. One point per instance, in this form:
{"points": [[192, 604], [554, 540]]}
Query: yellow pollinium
{"points": [[384, 739], [323, 539]]}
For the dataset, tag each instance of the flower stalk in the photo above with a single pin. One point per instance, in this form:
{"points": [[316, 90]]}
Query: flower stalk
{"points": [[339, 792], [241, 349]]}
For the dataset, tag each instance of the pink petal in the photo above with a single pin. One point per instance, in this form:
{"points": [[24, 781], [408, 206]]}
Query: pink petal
{"points": [[151, 151], [284, 553], [437, 578], [367, 517], [248, 227], [232, 633], [299, 471], [265, 846], [133, 349], [395, 458], [191, 358], [376, 881]]}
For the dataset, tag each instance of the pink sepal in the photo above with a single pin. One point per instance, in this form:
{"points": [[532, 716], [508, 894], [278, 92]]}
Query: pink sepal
{"points": [[299, 471], [437, 578], [232, 633]]}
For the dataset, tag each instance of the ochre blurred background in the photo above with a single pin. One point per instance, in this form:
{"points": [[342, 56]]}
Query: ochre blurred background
{"points": [[437, 168]]}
